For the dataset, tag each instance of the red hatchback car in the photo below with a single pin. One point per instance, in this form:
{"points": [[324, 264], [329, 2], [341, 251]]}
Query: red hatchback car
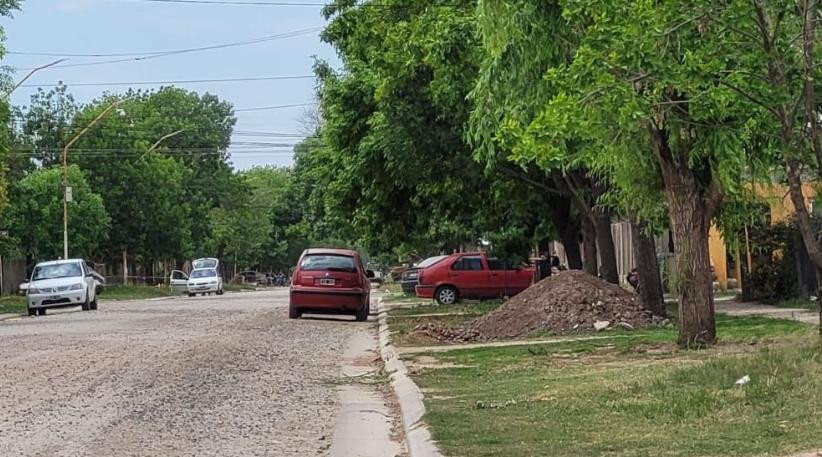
{"points": [[330, 281], [471, 275]]}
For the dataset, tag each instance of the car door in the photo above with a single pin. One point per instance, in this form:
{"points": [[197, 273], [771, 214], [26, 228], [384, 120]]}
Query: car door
{"points": [[498, 279], [88, 278], [470, 274], [179, 282]]}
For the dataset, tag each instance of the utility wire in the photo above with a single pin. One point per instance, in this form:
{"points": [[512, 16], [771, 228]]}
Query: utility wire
{"points": [[155, 55], [265, 108], [182, 81], [172, 51]]}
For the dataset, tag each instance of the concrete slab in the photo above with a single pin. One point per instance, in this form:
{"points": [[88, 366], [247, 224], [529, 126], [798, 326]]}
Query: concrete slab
{"points": [[754, 309], [364, 422]]}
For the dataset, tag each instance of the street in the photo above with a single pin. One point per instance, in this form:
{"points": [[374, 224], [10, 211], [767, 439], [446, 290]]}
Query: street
{"points": [[205, 376]]}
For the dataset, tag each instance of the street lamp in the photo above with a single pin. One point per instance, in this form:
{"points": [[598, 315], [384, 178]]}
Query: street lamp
{"points": [[67, 197]]}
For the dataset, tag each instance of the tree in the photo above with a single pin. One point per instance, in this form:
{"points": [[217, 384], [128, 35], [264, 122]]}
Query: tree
{"points": [[47, 123], [509, 95], [36, 215], [640, 87], [195, 179], [401, 176], [777, 80]]}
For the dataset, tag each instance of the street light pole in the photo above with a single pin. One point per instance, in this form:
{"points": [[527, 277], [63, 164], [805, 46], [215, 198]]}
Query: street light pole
{"points": [[65, 170]]}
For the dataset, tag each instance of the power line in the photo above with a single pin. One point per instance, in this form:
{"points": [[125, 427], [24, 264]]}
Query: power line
{"points": [[182, 81], [173, 51], [264, 108], [158, 54]]}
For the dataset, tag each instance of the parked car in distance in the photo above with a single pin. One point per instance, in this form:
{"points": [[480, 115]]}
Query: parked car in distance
{"points": [[471, 275], [60, 284], [330, 281], [409, 277], [204, 281], [397, 271], [250, 277]]}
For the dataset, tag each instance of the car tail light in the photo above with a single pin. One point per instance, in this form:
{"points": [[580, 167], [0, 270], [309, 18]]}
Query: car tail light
{"points": [[419, 276]]}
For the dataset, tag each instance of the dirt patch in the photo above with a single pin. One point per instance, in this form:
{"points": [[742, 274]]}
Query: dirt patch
{"points": [[570, 302]]}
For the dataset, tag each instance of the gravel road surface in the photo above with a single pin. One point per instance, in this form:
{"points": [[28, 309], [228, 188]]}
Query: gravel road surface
{"points": [[208, 376]]}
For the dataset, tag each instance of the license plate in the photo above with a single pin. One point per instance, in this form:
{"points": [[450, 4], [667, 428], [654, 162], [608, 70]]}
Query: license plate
{"points": [[54, 297], [327, 282]]}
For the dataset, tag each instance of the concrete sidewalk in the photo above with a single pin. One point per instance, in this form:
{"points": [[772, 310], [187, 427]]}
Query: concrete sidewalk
{"points": [[734, 308]]}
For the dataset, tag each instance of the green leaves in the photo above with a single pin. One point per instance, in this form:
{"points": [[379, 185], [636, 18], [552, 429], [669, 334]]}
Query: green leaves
{"points": [[36, 215]]}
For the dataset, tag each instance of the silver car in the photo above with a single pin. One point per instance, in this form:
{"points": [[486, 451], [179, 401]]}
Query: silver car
{"points": [[205, 281], [59, 284]]}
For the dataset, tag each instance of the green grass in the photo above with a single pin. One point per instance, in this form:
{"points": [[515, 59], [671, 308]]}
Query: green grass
{"points": [[134, 292], [402, 321], [802, 303], [476, 308], [631, 394], [239, 287], [12, 304]]}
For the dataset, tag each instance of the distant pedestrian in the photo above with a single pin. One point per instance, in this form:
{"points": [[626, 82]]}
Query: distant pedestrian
{"points": [[544, 266]]}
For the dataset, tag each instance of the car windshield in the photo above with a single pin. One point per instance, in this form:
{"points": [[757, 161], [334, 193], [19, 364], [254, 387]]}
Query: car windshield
{"points": [[203, 273], [204, 263], [321, 262], [60, 270], [430, 261]]}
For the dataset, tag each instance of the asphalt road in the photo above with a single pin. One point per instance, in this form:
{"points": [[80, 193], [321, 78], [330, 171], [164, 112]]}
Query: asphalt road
{"points": [[211, 376]]}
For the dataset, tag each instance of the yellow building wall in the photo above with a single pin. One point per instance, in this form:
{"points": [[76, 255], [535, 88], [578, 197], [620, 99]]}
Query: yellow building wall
{"points": [[781, 209]]}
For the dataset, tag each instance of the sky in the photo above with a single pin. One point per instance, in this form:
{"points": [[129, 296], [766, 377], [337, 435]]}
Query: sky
{"points": [[137, 26]]}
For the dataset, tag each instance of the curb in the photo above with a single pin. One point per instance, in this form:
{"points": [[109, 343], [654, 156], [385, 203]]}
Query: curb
{"points": [[417, 437]]}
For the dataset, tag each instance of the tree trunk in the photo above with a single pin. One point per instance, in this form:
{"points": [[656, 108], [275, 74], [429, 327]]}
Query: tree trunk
{"points": [[690, 210], [570, 241], [568, 228], [125, 267], [589, 247], [650, 283], [605, 246]]}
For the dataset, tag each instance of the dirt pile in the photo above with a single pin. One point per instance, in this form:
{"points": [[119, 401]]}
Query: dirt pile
{"points": [[572, 301]]}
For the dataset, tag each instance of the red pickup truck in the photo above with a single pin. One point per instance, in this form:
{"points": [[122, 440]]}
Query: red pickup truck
{"points": [[471, 276]]}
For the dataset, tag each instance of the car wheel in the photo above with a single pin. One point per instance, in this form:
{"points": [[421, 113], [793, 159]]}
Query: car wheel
{"points": [[41, 312], [294, 313], [93, 304], [220, 292], [192, 295], [362, 314], [86, 305], [447, 295], [32, 311]]}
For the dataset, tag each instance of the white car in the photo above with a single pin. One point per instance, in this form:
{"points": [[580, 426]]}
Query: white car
{"points": [[205, 281], [60, 284]]}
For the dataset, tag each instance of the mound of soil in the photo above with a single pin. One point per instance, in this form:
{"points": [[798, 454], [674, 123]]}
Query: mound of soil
{"points": [[572, 301]]}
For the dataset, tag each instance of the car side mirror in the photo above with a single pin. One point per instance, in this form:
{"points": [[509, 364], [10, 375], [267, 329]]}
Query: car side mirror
{"points": [[369, 273]]}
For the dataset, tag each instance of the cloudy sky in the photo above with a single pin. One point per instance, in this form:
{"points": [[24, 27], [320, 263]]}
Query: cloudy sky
{"points": [[141, 26]]}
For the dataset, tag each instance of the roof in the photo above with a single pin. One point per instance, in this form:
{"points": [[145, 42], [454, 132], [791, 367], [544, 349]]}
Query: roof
{"points": [[314, 251], [58, 262]]}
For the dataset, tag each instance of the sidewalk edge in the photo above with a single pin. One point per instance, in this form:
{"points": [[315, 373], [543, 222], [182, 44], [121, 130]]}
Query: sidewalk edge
{"points": [[418, 439]]}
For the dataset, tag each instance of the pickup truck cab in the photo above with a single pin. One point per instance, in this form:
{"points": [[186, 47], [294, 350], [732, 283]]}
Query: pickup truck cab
{"points": [[471, 275]]}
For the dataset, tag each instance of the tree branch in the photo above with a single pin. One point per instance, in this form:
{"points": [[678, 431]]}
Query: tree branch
{"points": [[751, 98], [525, 178]]}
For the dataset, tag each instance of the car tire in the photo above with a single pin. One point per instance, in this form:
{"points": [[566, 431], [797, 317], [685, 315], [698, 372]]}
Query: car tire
{"points": [[362, 314], [192, 295], [93, 304], [41, 311], [220, 292], [86, 305], [294, 313], [447, 295], [32, 311]]}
